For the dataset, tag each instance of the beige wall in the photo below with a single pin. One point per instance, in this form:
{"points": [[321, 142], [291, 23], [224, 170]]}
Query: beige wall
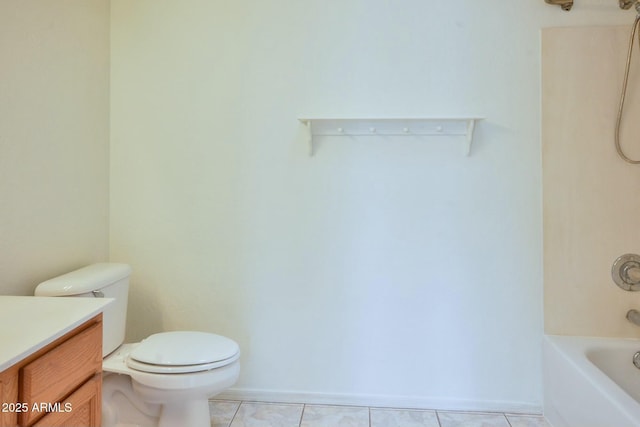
{"points": [[322, 268], [591, 196], [54, 132]]}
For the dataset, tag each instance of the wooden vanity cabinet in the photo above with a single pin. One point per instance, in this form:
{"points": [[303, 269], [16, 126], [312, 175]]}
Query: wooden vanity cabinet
{"points": [[8, 395], [59, 385]]}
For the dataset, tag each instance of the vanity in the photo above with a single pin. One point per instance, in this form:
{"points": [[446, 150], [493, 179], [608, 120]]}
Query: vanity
{"points": [[50, 361]]}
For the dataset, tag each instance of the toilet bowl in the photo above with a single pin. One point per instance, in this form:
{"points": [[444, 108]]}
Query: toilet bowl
{"points": [[168, 391], [166, 379]]}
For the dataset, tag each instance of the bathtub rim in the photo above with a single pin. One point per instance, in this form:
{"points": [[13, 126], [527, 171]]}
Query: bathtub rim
{"points": [[574, 351]]}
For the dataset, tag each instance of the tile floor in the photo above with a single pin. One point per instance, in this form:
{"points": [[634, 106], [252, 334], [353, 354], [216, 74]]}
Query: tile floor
{"points": [[226, 413]]}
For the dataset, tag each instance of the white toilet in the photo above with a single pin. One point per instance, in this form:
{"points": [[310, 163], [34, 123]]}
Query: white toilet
{"points": [[166, 379]]}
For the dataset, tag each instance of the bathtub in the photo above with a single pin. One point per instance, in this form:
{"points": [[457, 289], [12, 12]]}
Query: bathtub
{"points": [[591, 382]]}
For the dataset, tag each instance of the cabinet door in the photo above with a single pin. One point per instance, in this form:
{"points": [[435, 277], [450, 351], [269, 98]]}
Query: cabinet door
{"points": [[55, 374], [81, 409], [9, 398]]}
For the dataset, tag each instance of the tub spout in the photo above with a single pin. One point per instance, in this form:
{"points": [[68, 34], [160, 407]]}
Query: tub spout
{"points": [[636, 360], [633, 316]]}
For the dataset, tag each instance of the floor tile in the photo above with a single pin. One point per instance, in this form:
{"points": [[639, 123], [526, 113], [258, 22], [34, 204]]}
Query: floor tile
{"points": [[267, 415], [527, 421], [403, 418], [462, 419], [334, 416], [228, 413], [222, 412]]}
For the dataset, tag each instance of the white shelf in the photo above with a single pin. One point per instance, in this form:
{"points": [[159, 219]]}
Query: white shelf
{"points": [[459, 126]]}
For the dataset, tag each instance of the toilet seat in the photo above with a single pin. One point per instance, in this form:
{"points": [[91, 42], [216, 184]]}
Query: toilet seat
{"points": [[177, 369], [116, 363], [182, 352]]}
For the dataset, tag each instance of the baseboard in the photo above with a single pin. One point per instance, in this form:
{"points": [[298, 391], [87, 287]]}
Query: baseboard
{"points": [[382, 401]]}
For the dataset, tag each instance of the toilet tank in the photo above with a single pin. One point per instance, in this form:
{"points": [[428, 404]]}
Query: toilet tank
{"points": [[103, 280]]}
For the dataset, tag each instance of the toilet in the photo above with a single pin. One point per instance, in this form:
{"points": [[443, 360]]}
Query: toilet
{"points": [[166, 379]]}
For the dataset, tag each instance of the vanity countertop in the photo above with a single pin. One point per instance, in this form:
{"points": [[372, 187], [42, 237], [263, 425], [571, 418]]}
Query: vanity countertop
{"points": [[29, 323]]}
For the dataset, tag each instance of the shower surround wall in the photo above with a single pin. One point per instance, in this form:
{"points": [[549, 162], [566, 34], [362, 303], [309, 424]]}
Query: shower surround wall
{"points": [[379, 271], [591, 197]]}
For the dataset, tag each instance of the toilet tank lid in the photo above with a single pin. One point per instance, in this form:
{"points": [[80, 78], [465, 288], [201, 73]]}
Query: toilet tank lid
{"points": [[90, 278]]}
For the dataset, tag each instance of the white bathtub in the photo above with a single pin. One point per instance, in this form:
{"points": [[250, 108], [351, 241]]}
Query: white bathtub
{"points": [[591, 382]]}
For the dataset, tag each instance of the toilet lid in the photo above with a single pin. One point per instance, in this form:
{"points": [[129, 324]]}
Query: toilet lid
{"points": [[183, 351]]}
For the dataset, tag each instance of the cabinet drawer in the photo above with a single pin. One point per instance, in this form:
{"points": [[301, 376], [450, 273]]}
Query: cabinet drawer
{"points": [[54, 375], [81, 409]]}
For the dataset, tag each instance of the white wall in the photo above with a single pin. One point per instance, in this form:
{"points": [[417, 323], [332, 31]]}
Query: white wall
{"points": [[54, 139], [380, 271]]}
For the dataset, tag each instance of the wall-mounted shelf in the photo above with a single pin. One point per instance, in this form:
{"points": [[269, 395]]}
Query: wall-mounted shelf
{"points": [[459, 126]]}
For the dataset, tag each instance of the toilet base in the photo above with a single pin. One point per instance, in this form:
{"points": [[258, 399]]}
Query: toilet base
{"points": [[122, 407]]}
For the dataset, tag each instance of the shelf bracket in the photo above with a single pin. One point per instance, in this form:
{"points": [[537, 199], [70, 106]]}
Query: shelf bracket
{"points": [[308, 125], [471, 125]]}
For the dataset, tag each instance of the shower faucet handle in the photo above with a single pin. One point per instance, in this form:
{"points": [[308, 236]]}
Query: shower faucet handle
{"points": [[626, 272]]}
